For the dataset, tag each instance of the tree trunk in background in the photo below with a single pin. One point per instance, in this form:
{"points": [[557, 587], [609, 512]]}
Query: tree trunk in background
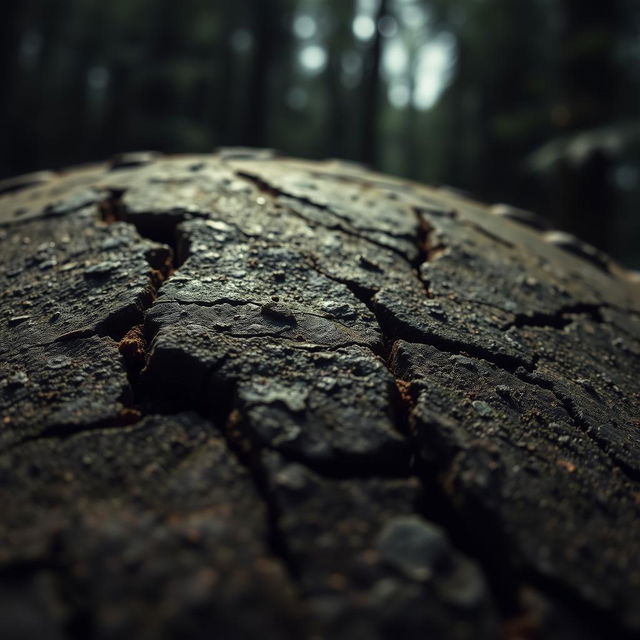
{"points": [[584, 194], [115, 129], [371, 93], [226, 61], [11, 29], [502, 98], [411, 125], [266, 31], [460, 123], [339, 116]]}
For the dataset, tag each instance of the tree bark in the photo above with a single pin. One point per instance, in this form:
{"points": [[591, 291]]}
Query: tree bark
{"points": [[249, 396]]}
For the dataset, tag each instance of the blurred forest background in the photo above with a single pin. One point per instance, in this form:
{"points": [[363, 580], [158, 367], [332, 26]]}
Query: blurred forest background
{"points": [[531, 102]]}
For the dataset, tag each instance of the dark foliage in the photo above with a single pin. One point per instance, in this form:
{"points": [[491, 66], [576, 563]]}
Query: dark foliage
{"points": [[533, 103]]}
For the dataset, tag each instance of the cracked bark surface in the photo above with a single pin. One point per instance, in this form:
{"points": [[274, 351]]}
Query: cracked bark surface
{"points": [[250, 396]]}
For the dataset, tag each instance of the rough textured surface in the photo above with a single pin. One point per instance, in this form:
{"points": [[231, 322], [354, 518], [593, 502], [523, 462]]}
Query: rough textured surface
{"points": [[246, 396]]}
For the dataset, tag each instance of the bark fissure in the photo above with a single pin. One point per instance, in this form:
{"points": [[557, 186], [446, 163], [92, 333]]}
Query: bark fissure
{"points": [[63, 431], [436, 504], [345, 226], [580, 423], [559, 319], [217, 365], [162, 229], [249, 454], [502, 577], [135, 348]]}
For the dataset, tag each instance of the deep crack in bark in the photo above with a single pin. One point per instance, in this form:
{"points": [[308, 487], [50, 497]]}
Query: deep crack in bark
{"points": [[345, 226], [226, 415], [559, 319], [437, 506]]}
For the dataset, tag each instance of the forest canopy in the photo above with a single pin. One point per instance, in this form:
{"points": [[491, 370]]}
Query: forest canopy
{"points": [[533, 103]]}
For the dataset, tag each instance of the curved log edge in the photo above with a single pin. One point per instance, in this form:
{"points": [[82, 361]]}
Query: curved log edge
{"points": [[249, 396]]}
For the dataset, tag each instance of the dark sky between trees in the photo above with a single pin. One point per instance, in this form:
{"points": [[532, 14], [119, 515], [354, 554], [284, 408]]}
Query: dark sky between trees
{"points": [[534, 103]]}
